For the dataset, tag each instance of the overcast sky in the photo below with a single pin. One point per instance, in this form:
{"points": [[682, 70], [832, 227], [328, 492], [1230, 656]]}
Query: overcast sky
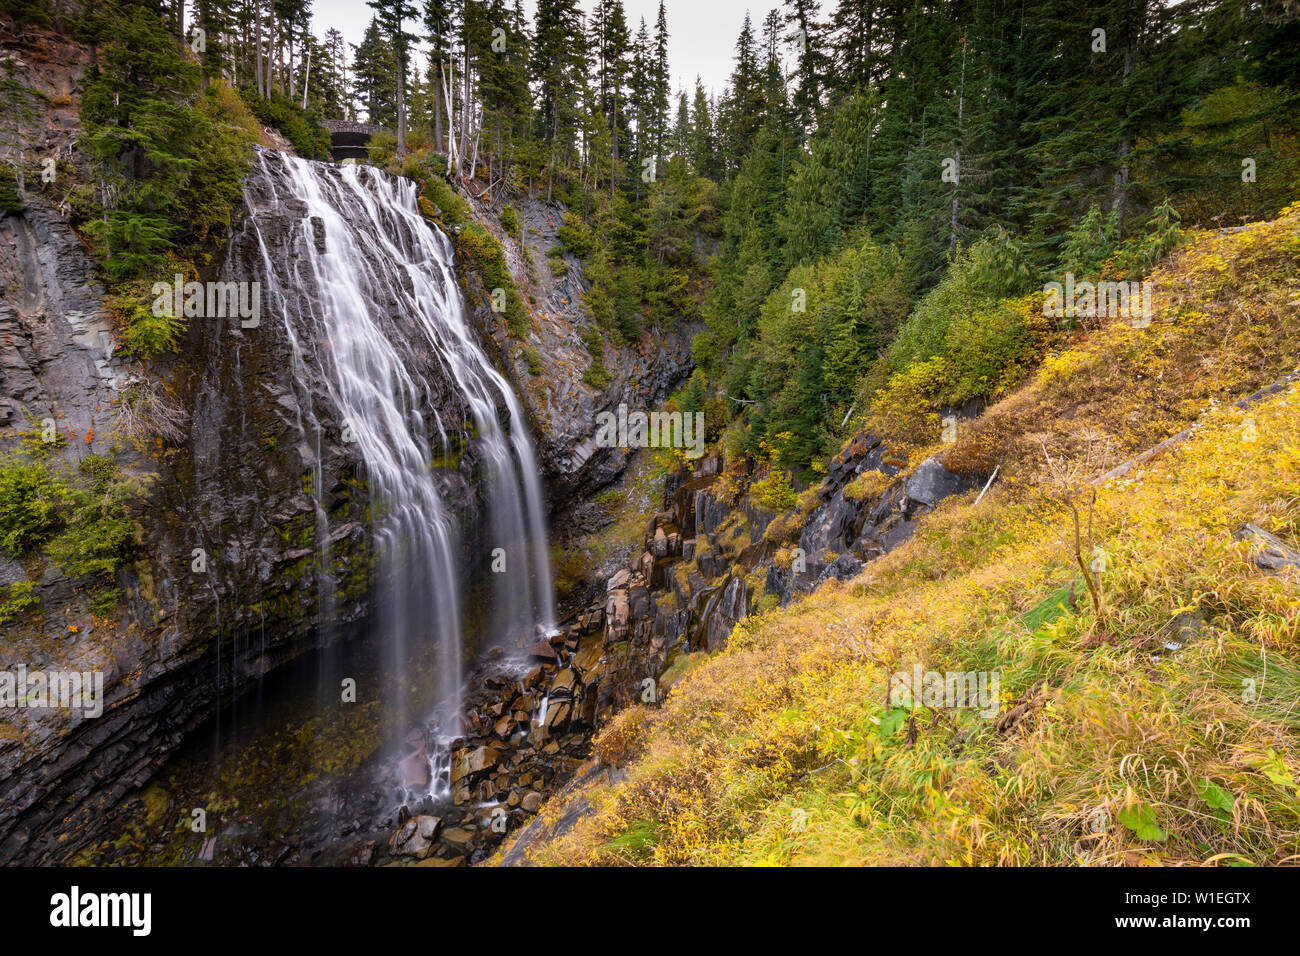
{"points": [[701, 33]]}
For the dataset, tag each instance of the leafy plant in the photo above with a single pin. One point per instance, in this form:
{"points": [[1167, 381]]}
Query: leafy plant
{"points": [[1141, 819], [31, 499], [510, 221], [16, 598]]}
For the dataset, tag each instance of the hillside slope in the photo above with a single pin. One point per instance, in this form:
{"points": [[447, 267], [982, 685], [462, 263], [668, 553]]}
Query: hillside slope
{"points": [[1140, 675]]}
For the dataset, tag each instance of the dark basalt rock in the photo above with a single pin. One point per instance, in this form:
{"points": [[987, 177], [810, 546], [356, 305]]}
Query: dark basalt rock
{"points": [[931, 483], [658, 610], [261, 480], [563, 407]]}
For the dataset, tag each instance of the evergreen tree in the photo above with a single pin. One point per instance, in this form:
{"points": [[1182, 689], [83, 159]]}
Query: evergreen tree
{"points": [[392, 16], [374, 69], [807, 36], [559, 67], [703, 147]]}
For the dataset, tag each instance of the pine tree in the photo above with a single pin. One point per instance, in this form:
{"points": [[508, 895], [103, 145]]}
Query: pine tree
{"points": [[438, 28], [611, 47], [559, 68], [659, 84], [743, 108], [375, 76], [641, 96], [392, 16], [703, 148], [807, 36]]}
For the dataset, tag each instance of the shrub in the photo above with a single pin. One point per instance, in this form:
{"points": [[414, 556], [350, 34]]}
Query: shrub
{"points": [[867, 485], [14, 599], [10, 201], [30, 502], [901, 411], [454, 209], [596, 375], [988, 349], [145, 333], [36, 12], [775, 492], [309, 138], [88, 529], [510, 220], [623, 738], [576, 235], [784, 528], [97, 535], [483, 253]]}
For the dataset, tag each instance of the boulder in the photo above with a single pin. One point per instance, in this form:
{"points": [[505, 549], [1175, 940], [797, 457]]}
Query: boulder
{"points": [[415, 837], [1270, 552], [931, 483], [471, 760], [458, 837], [659, 546]]}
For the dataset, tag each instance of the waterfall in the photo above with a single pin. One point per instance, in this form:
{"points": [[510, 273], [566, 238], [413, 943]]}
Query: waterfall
{"points": [[366, 290]]}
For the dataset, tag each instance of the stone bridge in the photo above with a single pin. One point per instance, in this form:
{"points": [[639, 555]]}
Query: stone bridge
{"points": [[349, 140]]}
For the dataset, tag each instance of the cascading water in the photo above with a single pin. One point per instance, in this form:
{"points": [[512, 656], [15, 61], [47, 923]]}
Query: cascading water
{"points": [[366, 291]]}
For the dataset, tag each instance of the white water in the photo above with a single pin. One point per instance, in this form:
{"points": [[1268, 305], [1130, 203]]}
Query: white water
{"points": [[372, 308]]}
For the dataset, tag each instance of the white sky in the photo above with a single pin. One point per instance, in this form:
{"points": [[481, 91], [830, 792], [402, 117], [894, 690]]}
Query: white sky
{"points": [[701, 33]]}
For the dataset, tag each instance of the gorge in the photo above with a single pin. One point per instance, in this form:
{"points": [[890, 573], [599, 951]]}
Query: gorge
{"points": [[588, 469]]}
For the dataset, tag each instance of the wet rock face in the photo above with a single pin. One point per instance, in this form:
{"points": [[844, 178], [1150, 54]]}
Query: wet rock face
{"points": [[562, 405], [58, 368], [528, 730], [259, 480]]}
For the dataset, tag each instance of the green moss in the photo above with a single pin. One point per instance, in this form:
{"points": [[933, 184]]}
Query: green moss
{"points": [[10, 200], [611, 500], [483, 253], [454, 209]]}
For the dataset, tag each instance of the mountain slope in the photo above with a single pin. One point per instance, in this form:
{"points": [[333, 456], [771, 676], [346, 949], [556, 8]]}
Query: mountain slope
{"points": [[1156, 722]]}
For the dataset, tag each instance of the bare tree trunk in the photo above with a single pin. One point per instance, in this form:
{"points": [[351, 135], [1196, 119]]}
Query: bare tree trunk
{"points": [[306, 80], [437, 102], [277, 45], [453, 160], [1126, 139], [271, 25], [257, 75], [464, 107], [956, 186], [401, 110]]}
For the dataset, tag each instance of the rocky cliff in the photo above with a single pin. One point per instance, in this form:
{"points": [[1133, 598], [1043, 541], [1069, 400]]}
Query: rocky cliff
{"points": [[229, 460], [562, 404]]}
